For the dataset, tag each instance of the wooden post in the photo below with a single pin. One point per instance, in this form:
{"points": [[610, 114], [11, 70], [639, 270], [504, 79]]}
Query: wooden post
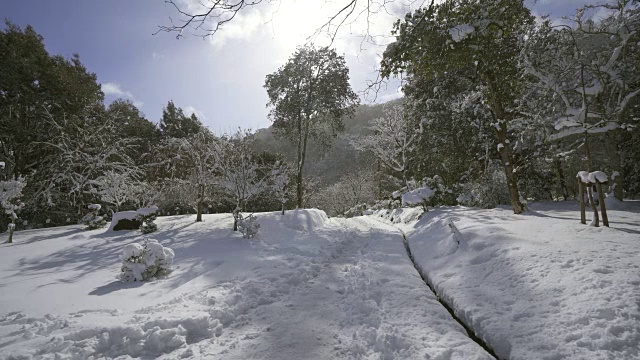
{"points": [[596, 218], [12, 226], [581, 192], [603, 207]]}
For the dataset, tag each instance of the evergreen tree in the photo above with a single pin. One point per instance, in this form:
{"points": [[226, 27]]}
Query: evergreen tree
{"points": [[483, 36], [175, 124], [310, 95]]}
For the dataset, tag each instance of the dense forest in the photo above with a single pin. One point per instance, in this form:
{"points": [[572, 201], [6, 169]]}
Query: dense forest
{"points": [[498, 109]]}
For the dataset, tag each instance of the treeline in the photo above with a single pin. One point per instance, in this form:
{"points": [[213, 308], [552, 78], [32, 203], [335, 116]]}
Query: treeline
{"points": [[500, 108], [67, 149]]}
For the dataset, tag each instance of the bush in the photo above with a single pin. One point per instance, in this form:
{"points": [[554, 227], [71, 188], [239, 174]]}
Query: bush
{"points": [[488, 191], [147, 216], [144, 262], [386, 204], [248, 226], [92, 220]]}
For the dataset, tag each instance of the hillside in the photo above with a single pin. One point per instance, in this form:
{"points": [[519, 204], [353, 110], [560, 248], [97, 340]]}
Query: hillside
{"points": [[342, 158]]}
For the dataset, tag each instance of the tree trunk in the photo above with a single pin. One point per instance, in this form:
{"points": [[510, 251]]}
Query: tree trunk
{"points": [[302, 151], [282, 208], [299, 189], [507, 162], [200, 202], [236, 212], [561, 182], [613, 152]]}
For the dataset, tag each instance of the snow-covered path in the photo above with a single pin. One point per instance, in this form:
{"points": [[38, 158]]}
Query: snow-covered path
{"points": [[309, 288], [361, 298]]}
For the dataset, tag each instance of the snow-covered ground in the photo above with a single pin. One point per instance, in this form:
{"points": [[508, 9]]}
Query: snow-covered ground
{"points": [[307, 287], [539, 285], [533, 286]]}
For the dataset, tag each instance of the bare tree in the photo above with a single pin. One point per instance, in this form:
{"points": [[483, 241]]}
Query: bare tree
{"points": [[205, 19], [393, 140], [198, 153]]}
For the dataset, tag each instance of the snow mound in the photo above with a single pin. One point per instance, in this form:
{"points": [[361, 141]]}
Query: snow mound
{"points": [[564, 291], [148, 340], [305, 220]]}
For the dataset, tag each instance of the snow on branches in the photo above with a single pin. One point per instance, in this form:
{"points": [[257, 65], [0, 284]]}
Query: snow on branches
{"points": [[394, 137], [10, 193]]}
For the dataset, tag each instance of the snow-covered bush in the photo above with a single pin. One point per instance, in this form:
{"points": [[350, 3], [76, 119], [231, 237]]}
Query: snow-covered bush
{"points": [[92, 220], [10, 193], [488, 191], [442, 195], [144, 262], [357, 210], [147, 216], [385, 204], [418, 197], [248, 226]]}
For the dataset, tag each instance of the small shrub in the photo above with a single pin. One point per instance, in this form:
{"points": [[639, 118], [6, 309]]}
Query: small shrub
{"points": [[144, 262], [92, 220], [147, 216], [248, 226], [357, 210]]}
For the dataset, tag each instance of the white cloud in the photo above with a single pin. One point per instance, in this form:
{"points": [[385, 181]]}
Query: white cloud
{"points": [[192, 110], [156, 56], [113, 89], [243, 26]]}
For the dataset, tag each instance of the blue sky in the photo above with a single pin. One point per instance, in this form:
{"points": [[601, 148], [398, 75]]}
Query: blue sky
{"points": [[221, 79]]}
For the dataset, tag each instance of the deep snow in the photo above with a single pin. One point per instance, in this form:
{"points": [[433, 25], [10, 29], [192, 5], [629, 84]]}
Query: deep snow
{"points": [[307, 287], [539, 285], [534, 286]]}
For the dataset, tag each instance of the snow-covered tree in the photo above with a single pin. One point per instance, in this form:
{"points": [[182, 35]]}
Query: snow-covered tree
{"points": [[117, 188], [353, 190], [279, 181], [393, 140], [196, 156], [240, 177], [81, 150], [10, 193], [309, 96], [591, 70], [480, 39]]}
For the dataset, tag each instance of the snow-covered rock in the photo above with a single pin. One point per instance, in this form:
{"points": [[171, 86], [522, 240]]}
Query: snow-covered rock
{"points": [[130, 218]]}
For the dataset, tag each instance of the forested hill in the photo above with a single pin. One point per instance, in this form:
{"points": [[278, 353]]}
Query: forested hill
{"points": [[328, 165]]}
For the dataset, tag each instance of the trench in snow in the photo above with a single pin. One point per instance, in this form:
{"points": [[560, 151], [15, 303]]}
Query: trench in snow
{"points": [[472, 335]]}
